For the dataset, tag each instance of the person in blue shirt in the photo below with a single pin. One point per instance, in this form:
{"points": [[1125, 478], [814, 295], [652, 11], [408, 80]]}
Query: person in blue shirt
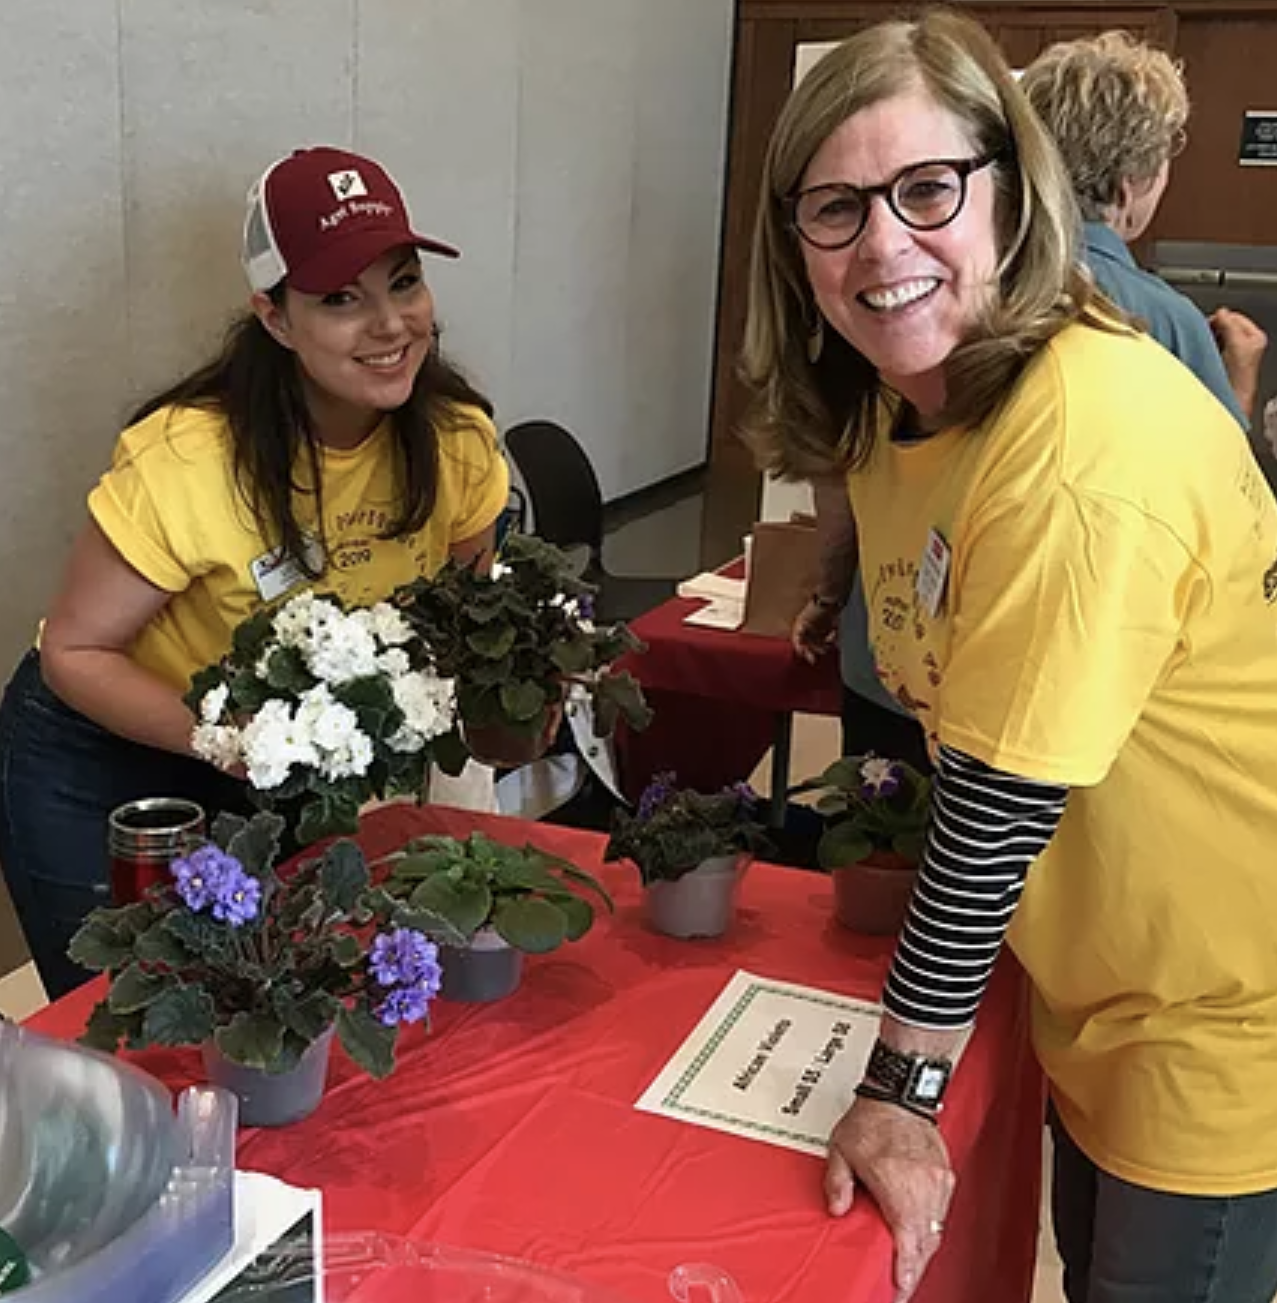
{"points": [[1117, 108]]}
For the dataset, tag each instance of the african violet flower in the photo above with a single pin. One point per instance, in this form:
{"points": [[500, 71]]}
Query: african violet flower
{"points": [[880, 777], [406, 963], [656, 793], [211, 879], [404, 957]]}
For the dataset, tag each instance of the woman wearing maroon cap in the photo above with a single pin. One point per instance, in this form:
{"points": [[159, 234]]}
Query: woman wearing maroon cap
{"points": [[328, 443]]}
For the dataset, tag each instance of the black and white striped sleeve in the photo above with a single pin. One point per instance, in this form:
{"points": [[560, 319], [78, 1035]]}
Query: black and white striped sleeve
{"points": [[986, 828]]}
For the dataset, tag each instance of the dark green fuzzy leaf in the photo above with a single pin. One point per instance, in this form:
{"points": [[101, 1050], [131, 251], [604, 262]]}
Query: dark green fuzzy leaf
{"points": [[466, 905], [329, 814], [910, 844], [308, 1016], [202, 683], [202, 936], [105, 1029], [841, 845], [477, 705], [98, 945], [251, 636], [491, 673], [346, 951], [256, 845], [248, 693], [343, 876], [372, 699], [158, 945], [531, 925], [251, 1039], [135, 990], [370, 1044], [620, 694], [181, 1015], [286, 672], [572, 656], [521, 702], [492, 640], [225, 826]]}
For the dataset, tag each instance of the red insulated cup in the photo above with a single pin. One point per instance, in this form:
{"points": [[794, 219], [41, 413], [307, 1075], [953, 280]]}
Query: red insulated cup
{"points": [[145, 837]]}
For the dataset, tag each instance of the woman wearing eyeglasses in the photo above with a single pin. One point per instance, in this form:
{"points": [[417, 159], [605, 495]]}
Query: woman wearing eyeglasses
{"points": [[1117, 109], [1070, 566]]}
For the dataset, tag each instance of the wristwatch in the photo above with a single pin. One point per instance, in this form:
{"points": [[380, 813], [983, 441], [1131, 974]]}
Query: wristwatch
{"points": [[826, 603], [914, 1081]]}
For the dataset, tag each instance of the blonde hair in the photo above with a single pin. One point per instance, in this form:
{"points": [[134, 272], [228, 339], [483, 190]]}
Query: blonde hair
{"points": [[810, 419], [1116, 108]]}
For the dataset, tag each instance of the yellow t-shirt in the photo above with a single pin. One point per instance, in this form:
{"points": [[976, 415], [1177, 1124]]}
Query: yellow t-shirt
{"points": [[171, 507], [1108, 623]]}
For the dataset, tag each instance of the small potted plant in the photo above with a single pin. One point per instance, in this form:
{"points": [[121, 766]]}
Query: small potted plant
{"points": [[324, 708], [260, 970], [691, 849], [514, 640], [502, 902], [876, 811]]}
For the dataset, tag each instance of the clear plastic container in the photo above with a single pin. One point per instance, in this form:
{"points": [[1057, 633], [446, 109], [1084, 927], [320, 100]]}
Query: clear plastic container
{"points": [[374, 1268], [113, 1198]]}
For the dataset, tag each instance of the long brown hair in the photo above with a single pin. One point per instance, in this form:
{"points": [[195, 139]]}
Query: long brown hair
{"points": [[813, 419], [255, 382]]}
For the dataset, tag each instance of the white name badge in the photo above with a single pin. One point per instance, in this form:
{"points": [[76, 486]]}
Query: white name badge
{"points": [[933, 573], [275, 573]]}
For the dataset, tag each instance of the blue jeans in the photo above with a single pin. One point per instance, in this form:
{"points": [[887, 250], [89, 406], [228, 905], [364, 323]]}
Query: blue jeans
{"points": [[1122, 1243], [60, 778]]}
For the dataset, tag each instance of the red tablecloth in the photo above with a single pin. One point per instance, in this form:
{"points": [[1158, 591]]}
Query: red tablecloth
{"points": [[510, 1127], [716, 694]]}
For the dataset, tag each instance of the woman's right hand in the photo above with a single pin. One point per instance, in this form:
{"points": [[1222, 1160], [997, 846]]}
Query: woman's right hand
{"points": [[815, 630], [902, 1161]]}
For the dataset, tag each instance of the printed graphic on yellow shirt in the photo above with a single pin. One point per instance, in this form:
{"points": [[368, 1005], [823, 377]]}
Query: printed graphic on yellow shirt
{"points": [[171, 507]]}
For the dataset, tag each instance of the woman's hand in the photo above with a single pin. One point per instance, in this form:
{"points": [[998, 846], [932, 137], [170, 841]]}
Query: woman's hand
{"points": [[903, 1162], [814, 630]]}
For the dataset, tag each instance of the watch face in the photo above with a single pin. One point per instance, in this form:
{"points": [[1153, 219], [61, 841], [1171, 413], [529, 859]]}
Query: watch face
{"points": [[930, 1083]]}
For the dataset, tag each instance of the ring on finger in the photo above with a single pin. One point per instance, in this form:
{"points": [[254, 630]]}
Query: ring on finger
{"points": [[936, 1226]]}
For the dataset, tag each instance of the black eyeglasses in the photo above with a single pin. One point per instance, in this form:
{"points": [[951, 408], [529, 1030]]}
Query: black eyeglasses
{"points": [[924, 196]]}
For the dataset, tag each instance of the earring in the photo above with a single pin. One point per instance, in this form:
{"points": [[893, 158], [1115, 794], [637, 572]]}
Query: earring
{"points": [[816, 340]]}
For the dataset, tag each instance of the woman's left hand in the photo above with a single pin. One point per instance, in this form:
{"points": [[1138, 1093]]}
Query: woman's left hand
{"points": [[903, 1162]]}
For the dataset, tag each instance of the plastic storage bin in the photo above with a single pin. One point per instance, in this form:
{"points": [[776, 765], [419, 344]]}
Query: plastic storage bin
{"points": [[113, 1197], [376, 1268]]}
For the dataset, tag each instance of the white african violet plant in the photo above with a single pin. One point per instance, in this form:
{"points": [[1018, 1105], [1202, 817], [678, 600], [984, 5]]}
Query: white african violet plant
{"points": [[324, 705]]}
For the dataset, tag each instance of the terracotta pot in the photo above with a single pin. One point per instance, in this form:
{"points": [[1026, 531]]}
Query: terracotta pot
{"points": [[489, 968], [273, 1100], [700, 903], [872, 897], [505, 747]]}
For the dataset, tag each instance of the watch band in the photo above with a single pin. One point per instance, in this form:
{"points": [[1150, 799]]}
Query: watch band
{"points": [[909, 1078], [867, 1091]]}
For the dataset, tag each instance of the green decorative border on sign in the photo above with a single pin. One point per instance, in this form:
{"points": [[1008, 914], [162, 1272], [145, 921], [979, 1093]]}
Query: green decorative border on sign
{"points": [[673, 1099]]}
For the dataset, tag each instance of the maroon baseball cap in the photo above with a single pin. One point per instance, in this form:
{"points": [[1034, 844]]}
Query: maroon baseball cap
{"points": [[320, 216]]}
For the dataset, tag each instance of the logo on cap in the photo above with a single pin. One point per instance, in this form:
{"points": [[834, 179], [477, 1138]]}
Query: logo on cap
{"points": [[348, 184]]}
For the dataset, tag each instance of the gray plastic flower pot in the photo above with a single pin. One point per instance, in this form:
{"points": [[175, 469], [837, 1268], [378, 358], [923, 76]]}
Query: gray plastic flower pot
{"points": [[700, 903], [273, 1100], [487, 969]]}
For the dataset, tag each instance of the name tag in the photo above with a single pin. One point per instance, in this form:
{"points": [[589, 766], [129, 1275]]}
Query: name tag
{"points": [[275, 573], [933, 573]]}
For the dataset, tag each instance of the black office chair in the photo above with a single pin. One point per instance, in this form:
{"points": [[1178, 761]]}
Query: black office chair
{"points": [[567, 510]]}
